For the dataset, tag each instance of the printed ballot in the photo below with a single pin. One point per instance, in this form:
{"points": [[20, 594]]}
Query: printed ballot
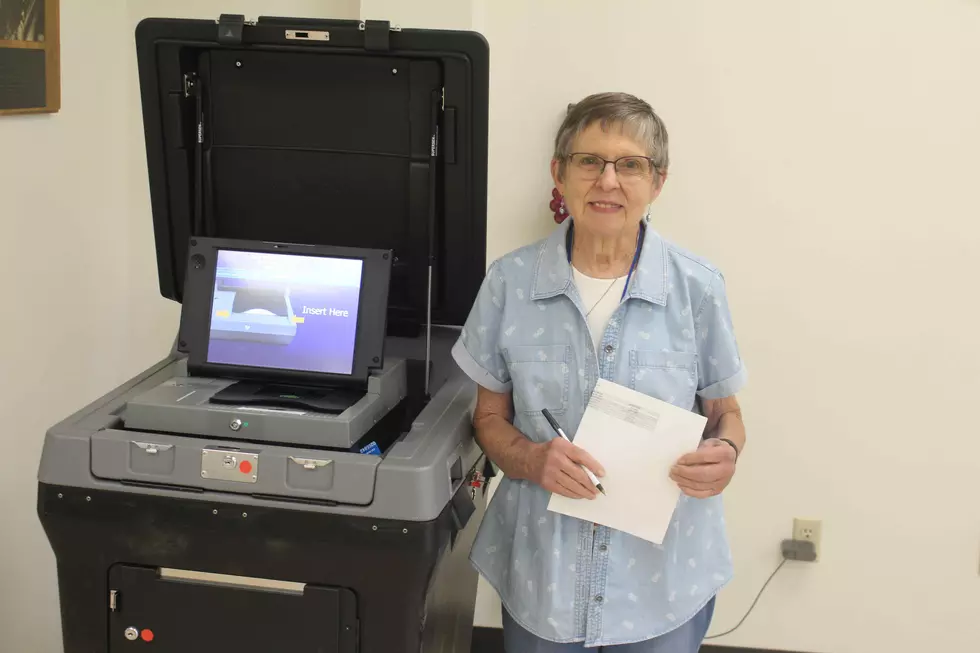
{"points": [[637, 439]]}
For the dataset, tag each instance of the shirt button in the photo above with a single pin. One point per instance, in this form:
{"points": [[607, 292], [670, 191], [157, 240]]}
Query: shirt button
{"points": [[603, 548], [609, 349], [598, 599]]}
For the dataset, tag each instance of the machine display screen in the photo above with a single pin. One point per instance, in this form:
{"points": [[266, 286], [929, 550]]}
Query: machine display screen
{"points": [[285, 311]]}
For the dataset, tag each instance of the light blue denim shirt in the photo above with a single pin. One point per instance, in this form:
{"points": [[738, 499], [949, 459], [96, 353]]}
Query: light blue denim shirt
{"points": [[561, 578]]}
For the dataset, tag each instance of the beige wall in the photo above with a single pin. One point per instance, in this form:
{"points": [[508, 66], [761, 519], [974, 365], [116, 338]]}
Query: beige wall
{"points": [[825, 155]]}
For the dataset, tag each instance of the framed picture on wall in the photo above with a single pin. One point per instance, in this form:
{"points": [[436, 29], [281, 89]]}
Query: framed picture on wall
{"points": [[30, 67]]}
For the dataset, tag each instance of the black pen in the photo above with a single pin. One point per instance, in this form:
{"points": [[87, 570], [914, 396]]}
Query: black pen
{"points": [[554, 424]]}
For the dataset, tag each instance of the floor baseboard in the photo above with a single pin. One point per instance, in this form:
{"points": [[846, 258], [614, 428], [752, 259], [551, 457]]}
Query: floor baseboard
{"points": [[491, 640]]}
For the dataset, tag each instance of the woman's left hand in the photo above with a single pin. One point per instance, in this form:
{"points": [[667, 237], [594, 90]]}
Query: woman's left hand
{"points": [[707, 471]]}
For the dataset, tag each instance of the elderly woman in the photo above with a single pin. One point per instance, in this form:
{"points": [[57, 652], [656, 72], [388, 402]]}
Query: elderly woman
{"points": [[604, 296]]}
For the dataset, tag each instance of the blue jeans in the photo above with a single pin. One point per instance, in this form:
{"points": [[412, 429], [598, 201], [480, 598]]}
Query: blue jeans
{"points": [[685, 639]]}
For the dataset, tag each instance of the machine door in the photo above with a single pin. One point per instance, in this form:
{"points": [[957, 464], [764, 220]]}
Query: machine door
{"points": [[174, 611]]}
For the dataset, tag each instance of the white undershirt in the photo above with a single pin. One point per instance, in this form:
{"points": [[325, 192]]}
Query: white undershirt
{"points": [[591, 290]]}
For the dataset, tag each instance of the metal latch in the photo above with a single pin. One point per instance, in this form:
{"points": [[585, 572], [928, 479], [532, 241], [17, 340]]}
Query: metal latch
{"points": [[310, 463], [190, 84], [307, 35], [113, 600], [153, 449]]}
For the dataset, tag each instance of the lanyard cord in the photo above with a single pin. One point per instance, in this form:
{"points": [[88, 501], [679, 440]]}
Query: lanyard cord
{"points": [[636, 255]]}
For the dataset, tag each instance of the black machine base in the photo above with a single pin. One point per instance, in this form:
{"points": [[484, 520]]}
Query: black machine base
{"points": [[194, 576]]}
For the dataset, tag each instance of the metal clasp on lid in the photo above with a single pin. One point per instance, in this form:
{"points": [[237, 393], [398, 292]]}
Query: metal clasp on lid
{"points": [[307, 35]]}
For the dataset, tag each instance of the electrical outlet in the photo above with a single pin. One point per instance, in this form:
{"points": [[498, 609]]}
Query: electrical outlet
{"points": [[808, 530]]}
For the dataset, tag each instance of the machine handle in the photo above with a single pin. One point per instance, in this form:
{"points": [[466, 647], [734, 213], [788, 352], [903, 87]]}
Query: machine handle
{"points": [[152, 448], [310, 463]]}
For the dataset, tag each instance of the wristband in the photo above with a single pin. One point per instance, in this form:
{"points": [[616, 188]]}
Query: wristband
{"points": [[733, 447]]}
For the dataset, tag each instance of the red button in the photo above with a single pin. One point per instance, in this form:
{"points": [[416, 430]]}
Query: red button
{"points": [[147, 635], [245, 467]]}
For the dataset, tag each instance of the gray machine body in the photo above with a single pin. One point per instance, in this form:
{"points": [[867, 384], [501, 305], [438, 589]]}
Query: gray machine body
{"points": [[413, 480], [181, 404]]}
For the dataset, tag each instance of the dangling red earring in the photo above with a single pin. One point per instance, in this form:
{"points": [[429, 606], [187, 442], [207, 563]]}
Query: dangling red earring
{"points": [[557, 206]]}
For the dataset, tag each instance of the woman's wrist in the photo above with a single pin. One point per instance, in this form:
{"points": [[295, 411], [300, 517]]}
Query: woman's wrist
{"points": [[732, 444], [509, 449]]}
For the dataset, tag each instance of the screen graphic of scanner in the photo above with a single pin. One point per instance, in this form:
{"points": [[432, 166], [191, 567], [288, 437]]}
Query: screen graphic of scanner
{"points": [[285, 311]]}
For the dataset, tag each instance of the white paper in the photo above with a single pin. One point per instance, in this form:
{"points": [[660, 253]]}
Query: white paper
{"points": [[637, 439]]}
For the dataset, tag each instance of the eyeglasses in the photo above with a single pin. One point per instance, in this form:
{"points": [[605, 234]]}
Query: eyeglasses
{"points": [[591, 166]]}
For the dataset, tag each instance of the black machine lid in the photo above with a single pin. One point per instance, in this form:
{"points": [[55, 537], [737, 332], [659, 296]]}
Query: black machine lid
{"points": [[321, 132]]}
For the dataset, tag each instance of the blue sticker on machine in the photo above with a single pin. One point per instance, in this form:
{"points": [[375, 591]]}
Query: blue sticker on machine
{"points": [[371, 449]]}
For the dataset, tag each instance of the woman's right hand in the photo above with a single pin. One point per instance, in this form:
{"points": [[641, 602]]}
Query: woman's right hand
{"points": [[555, 466]]}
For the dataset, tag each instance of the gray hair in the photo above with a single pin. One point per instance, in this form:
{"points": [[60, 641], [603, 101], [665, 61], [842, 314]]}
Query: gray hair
{"points": [[635, 117]]}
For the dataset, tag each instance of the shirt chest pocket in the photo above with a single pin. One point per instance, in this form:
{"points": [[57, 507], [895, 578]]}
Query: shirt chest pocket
{"points": [[540, 376], [670, 376]]}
